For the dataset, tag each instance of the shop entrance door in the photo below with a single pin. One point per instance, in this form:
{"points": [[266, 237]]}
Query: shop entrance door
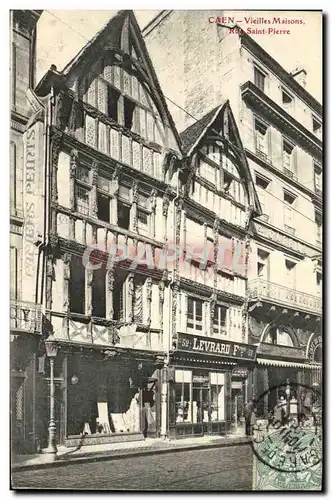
{"points": [[201, 405], [150, 403]]}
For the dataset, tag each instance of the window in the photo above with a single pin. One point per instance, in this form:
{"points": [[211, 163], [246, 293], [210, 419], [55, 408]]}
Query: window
{"points": [[138, 299], [263, 264], [82, 199], [227, 181], [317, 178], [21, 62], [289, 199], [195, 314], [318, 220], [287, 158], [316, 127], [123, 215], [217, 381], [290, 273], [129, 108], [183, 402], [112, 103], [262, 182], [143, 214], [319, 283], [77, 285], [118, 299], [278, 336], [220, 320], [124, 205], [103, 207], [261, 136], [82, 174], [13, 158], [286, 98], [99, 292], [259, 78]]}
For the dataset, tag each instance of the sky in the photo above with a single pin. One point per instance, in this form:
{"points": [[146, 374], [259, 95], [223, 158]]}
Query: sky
{"points": [[62, 33]]}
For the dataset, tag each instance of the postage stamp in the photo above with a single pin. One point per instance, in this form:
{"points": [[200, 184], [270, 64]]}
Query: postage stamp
{"points": [[287, 446]]}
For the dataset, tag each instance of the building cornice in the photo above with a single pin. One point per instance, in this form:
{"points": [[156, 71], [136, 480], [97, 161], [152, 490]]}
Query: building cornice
{"points": [[279, 239], [274, 66], [295, 130]]}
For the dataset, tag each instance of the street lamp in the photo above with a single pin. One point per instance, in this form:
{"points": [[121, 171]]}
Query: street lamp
{"points": [[51, 346]]}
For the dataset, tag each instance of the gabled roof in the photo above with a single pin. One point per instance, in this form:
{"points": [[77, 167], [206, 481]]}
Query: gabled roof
{"points": [[123, 24], [84, 52], [194, 135]]}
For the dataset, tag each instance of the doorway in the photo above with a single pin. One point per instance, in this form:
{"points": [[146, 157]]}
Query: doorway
{"points": [[201, 405], [149, 405]]}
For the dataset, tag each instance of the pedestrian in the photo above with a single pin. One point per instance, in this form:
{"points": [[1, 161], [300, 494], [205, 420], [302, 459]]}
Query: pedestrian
{"points": [[248, 412], [279, 411]]}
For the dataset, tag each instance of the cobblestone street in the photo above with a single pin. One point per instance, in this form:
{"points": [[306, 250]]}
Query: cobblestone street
{"points": [[214, 469]]}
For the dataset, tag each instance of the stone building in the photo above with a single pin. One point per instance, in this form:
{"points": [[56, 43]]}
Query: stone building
{"points": [[143, 249], [281, 128], [211, 357], [25, 316]]}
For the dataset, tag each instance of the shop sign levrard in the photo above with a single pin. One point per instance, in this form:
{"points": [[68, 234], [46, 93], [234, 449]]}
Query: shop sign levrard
{"points": [[207, 345]]}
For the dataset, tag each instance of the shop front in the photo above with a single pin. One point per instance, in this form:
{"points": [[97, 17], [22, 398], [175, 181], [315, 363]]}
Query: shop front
{"points": [[103, 397], [275, 379], [204, 389]]}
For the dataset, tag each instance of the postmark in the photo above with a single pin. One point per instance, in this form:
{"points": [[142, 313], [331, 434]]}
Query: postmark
{"points": [[287, 446]]}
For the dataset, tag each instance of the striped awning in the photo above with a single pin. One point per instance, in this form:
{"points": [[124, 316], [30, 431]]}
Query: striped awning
{"points": [[289, 364]]}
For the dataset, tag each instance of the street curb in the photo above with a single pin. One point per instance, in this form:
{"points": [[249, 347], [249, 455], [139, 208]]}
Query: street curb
{"points": [[117, 456]]}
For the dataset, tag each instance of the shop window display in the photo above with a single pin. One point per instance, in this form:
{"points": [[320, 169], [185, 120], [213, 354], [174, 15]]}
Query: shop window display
{"points": [[199, 397], [183, 379]]}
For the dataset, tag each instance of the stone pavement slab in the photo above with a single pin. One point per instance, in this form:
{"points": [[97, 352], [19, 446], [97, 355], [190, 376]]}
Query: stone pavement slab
{"points": [[113, 451]]}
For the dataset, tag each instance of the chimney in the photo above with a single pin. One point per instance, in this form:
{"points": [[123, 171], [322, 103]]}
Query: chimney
{"points": [[300, 75]]}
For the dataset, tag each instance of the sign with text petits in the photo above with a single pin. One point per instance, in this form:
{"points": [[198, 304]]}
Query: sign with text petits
{"points": [[33, 205], [207, 345]]}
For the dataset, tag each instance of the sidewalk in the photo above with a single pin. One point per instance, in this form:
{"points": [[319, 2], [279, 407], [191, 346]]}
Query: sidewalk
{"points": [[113, 451]]}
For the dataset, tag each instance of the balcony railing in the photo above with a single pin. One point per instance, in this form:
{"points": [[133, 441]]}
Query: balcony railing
{"points": [[25, 316], [265, 290]]}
